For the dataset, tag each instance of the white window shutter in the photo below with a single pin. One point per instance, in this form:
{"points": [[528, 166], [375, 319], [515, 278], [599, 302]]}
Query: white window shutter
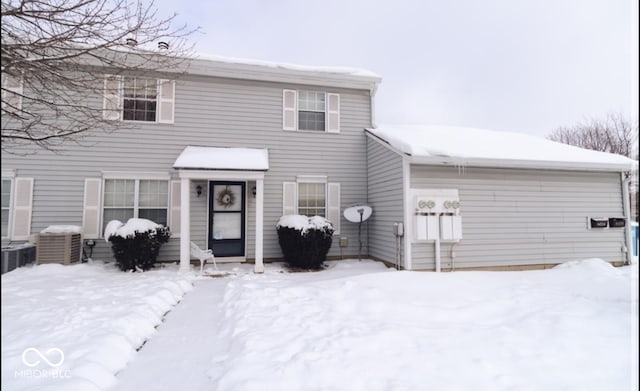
{"points": [[11, 93], [333, 206], [112, 98], [91, 208], [333, 113], [289, 109], [22, 203], [174, 212], [289, 198], [166, 101]]}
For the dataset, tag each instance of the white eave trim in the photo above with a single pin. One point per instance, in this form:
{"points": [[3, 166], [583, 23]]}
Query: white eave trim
{"points": [[221, 174]]}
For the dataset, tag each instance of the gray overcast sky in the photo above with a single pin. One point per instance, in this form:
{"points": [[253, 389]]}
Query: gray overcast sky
{"points": [[525, 66]]}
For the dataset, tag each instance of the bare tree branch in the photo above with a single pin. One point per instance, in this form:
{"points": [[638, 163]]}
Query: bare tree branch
{"points": [[614, 133], [61, 49]]}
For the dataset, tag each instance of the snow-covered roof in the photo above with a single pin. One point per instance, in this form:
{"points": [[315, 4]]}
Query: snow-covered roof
{"points": [[216, 158], [449, 145], [288, 66], [237, 68]]}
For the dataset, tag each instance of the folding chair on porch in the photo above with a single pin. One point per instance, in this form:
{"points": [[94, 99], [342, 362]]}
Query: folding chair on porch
{"points": [[202, 255]]}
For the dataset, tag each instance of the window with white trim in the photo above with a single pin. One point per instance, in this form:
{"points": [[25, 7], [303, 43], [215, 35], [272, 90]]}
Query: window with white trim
{"points": [[311, 110], [6, 206], [135, 198], [139, 99], [315, 111], [312, 198]]}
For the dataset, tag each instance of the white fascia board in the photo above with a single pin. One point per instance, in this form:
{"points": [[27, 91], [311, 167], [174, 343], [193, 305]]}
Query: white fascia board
{"points": [[525, 164], [221, 174]]}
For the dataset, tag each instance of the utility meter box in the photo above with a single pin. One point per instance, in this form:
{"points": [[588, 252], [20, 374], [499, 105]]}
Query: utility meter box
{"points": [[450, 228], [437, 215]]}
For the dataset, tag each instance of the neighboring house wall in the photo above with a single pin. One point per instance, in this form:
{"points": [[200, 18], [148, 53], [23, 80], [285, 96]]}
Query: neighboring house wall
{"points": [[521, 217], [209, 111], [385, 196]]}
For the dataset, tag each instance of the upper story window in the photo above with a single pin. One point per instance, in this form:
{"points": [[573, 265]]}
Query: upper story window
{"points": [[139, 99], [311, 111]]}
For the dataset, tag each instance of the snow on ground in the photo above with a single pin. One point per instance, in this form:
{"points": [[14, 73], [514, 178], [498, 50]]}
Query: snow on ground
{"points": [[355, 326], [74, 327]]}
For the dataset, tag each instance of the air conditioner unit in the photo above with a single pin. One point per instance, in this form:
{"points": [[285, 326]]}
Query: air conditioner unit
{"points": [[16, 256], [62, 248]]}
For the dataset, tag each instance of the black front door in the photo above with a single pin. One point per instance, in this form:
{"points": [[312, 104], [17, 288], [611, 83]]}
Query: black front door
{"points": [[226, 218]]}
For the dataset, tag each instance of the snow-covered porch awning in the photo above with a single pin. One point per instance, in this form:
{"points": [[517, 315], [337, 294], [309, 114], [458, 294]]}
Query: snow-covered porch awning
{"points": [[217, 163]]}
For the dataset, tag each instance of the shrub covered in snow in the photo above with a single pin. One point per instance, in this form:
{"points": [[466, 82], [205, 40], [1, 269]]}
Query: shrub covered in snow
{"points": [[136, 245], [305, 241]]}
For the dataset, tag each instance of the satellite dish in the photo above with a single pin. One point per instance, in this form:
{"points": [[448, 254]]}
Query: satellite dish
{"points": [[358, 213]]}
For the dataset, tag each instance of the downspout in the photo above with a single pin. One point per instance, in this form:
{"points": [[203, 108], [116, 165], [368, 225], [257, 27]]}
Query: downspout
{"points": [[626, 179], [372, 94], [437, 249]]}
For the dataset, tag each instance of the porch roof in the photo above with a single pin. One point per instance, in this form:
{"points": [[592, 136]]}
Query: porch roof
{"points": [[220, 158]]}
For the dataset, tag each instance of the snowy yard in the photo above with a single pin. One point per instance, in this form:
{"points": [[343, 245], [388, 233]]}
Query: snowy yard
{"points": [[355, 326]]}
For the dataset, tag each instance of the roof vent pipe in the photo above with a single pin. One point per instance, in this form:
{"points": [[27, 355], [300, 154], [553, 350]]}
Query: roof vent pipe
{"points": [[163, 45], [131, 42]]}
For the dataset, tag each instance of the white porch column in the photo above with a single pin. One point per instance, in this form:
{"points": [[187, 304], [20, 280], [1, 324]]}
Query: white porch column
{"points": [[185, 234], [259, 266]]}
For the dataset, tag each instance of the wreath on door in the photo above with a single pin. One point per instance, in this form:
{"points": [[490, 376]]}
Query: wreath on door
{"points": [[226, 198]]}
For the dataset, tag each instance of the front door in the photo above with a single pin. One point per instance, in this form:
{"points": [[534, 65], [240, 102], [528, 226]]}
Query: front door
{"points": [[226, 218]]}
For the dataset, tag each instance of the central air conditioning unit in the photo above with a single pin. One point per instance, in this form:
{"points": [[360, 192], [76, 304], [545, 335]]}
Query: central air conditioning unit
{"points": [[65, 248]]}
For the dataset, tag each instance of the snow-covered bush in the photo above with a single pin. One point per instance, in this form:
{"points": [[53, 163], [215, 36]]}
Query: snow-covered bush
{"points": [[136, 245], [305, 241]]}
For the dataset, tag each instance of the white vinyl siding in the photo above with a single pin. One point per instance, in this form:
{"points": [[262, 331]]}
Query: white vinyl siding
{"points": [[139, 99]]}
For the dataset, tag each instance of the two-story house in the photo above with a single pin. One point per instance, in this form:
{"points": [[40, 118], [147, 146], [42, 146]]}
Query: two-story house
{"points": [[218, 154]]}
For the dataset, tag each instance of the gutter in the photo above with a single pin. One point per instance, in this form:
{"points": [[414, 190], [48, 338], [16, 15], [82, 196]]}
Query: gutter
{"points": [[524, 164]]}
